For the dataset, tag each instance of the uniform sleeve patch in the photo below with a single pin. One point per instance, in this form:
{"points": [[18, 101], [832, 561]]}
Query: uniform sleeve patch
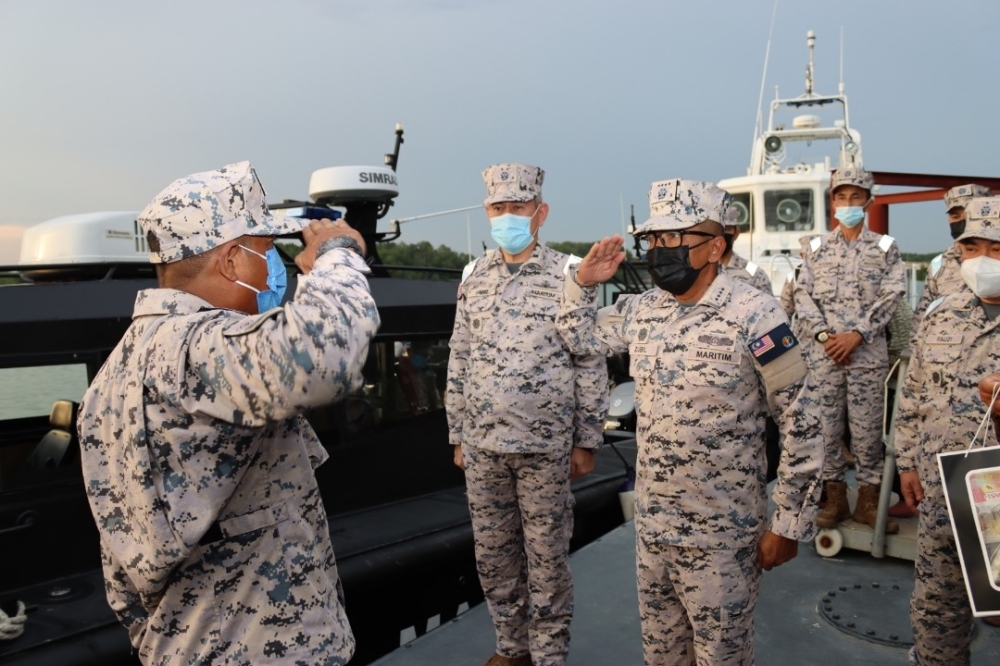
{"points": [[815, 243], [885, 243], [570, 263], [752, 268], [773, 344]]}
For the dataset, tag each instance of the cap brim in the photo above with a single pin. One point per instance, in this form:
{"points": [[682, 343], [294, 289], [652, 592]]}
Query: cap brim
{"points": [[986, 234], [499, 198], [278, 225], [667, 223]]}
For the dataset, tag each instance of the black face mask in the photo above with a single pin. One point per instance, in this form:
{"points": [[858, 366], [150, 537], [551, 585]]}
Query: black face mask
{"points": [[957, 229], [671, 269], [729, 242]]}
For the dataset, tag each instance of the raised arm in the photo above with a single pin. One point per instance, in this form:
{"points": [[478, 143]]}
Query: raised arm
{"points": [[586, 331], [268, 367]]}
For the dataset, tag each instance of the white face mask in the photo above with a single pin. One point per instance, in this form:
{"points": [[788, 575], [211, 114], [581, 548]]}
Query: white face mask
{"points": [[982, 274]]}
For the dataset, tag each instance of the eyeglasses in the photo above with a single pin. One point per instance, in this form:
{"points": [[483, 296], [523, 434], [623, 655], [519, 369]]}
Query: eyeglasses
{"points": [[667, 238]]}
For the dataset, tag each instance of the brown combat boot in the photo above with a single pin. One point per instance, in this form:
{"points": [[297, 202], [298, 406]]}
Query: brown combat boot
{"points": [[867, 507], [500, 660], [837, 508]]}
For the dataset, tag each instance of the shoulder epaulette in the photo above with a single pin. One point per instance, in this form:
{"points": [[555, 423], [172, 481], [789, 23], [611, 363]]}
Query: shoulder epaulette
{"points": [[815, 243], [572, 261], [935, 266], [933, 305], [885, 243], [467, 271]]}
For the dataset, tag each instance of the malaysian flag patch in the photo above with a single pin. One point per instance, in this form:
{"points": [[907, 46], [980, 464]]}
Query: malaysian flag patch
{"points": [[773, 344]]}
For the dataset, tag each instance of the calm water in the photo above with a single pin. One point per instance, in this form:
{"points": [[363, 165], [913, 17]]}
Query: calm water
{"points": [[31, 391]]}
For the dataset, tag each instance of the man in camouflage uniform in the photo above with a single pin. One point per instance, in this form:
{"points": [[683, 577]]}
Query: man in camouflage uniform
{"points": [[197, 459], [524, 416], [849, 286], [711, 357], [944, 272], [739, 268], [940, 411]]}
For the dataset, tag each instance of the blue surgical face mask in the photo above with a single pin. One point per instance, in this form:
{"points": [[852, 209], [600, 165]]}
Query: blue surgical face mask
{"points": [[850, 216], [512, 232], [277, 280]]}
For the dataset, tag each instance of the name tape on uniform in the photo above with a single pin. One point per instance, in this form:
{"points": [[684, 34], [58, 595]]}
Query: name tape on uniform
{"points": [[773, 344], [539, 292]]}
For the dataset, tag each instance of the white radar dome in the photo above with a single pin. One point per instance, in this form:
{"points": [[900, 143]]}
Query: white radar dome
{"points": [[806, 122], [91, 238], [338, 185]]}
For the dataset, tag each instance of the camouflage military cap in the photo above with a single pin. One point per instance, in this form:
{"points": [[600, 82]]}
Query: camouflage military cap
{"points": [[679, 204], [852, 175], [512, 182], [961, 195], [982, 219], [202, 211]]}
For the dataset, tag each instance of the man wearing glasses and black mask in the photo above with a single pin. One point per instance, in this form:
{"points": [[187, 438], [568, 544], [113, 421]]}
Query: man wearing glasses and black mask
{"points": [[711, 358]]}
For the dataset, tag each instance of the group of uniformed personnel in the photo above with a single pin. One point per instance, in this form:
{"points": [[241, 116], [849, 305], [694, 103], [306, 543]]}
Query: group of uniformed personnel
{"points": [[956, 344], [199, 463]]}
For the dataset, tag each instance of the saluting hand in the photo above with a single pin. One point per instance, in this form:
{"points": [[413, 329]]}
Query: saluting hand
{"points": [[319, 231], [602, 262]]}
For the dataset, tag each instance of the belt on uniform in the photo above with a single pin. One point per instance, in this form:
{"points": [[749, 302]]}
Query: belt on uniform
{"points": [[212, 534]]}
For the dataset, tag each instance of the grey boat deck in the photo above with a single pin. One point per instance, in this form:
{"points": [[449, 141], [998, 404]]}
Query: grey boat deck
{"points": [[790, 624]]}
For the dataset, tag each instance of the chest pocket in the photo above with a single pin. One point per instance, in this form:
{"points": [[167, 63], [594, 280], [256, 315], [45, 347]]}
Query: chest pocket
{"points": [[479, 307], [541, 300], [942, 349], [870, 272], [642, 359], [825, 278], [715, 365]]}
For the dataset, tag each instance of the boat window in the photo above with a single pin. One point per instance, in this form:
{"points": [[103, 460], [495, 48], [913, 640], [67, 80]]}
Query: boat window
{"points": [[33, 449], [788, 210], [403, 380], [743, 207], [31, 391]]}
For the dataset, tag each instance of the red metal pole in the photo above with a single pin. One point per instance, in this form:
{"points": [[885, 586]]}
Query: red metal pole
{"points": [[878, 218]]}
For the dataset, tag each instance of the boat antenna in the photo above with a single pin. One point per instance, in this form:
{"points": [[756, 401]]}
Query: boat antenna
{"points": [[758, 129], [392, 159], [841, 86], [811, 68]]}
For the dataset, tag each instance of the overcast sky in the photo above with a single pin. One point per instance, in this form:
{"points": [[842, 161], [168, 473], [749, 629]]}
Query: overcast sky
{"points": [[102, 103]]}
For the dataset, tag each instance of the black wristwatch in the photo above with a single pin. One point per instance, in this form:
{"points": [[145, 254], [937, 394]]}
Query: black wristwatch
{"points": [[340, 241], [822, 336]]}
